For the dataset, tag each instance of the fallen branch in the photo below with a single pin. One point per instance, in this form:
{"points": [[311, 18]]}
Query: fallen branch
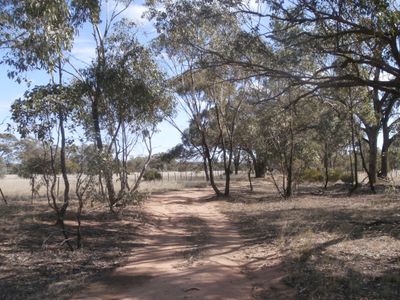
{"points": [[281, 194], [53, 233]]}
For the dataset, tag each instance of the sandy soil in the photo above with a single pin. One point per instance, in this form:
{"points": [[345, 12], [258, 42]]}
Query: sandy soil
{"points": [[191, 251]]}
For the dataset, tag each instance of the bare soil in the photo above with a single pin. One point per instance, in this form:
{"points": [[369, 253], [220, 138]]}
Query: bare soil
{"points": [[192, 251]]}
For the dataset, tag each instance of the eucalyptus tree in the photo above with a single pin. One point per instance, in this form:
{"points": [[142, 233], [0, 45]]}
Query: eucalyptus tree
{"points": [[331, 135], [251, 136], [201, 133], [336, 33], [251, 140], [285, 127], [38, 114], [125, 96], [34, 34], [352, 31], [390, 128], [193, 143], [8, 142], [209, 92]]}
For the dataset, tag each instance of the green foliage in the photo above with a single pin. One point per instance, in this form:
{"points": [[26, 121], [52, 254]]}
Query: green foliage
{"points": [[7, 144], [132, 198], [151, 175], [85, 159], [38, 111], [311, 175], [34, 160], [347, 178], [317, 175], [335, 175], [36, 32]]}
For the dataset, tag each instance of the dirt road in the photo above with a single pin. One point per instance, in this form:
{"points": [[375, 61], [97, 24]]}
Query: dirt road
{"points": [[191, 251]]}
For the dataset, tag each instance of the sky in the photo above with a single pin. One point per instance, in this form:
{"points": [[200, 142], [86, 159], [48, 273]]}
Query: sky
{"points": [[82, 52]]}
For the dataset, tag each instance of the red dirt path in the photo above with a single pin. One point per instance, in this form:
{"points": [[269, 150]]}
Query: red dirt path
{"points": [[191, 251]]}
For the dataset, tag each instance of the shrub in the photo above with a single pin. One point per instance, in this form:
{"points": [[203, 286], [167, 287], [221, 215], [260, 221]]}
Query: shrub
{"points": [[335, 175], [346, 178], [152, 174], [311, 175]]}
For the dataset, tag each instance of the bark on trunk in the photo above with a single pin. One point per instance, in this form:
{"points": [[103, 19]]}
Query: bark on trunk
{"points": [[372, 133], [259, 168], [106, 170], [289, 168], [367, 170], [206, 169], [353, 144], [385, 150], [326, 165], [236, 161], [207, 156]]}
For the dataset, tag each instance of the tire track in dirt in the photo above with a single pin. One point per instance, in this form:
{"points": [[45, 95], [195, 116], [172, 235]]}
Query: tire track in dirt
{"points": [[192, 252]]}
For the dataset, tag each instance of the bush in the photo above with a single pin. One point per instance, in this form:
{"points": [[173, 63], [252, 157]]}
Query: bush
{"points": [[152, 174], [312, 175], [335, 175], [347, 178]]}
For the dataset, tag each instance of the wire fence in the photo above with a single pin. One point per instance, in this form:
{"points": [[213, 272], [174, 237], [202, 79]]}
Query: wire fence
{"points": [[182, 175]]}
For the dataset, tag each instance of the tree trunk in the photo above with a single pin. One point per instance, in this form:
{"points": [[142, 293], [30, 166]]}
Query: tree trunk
{"points": [[205, 169], [353, 144], [326, 165], [367, 170], [259, 168], [289, 166], [63, 166], [228, 170], [236, 161], [372, 133], [249, 177], [105, 168], [207, 156], [385, 150], [212, 181], [61, 213]]}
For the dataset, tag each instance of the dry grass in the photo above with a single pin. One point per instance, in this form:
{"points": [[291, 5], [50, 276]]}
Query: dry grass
{"points": [[333, 246], [32, 269], [15, 187]]}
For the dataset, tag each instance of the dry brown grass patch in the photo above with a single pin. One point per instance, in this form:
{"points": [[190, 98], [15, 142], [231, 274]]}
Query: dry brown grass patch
{"points": [[333, 246], [30, 269]]}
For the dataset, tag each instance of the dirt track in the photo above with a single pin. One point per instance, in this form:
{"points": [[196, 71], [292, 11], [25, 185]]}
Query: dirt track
{"points": [[191, 251]]}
